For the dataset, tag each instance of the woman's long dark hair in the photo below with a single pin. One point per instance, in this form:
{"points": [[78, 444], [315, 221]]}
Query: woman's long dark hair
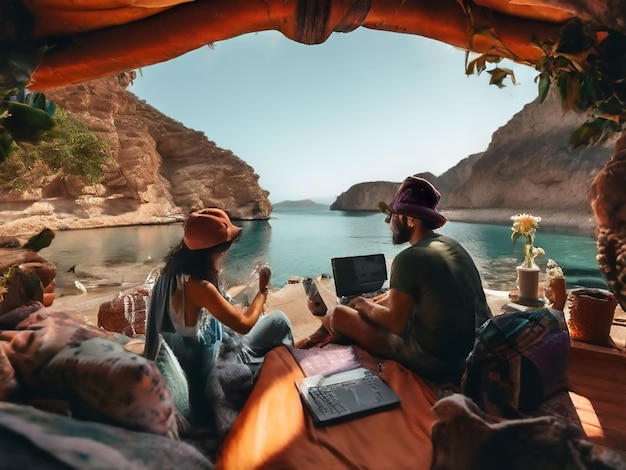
{"points": [[196, 263]]}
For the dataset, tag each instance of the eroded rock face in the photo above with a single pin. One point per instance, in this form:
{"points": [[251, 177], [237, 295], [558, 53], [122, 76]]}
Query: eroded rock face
{"points": [[527, 167], [162, 170], [365, 196]]}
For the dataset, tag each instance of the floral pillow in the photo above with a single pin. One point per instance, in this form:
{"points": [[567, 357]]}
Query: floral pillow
{"points": [[103, 379]]}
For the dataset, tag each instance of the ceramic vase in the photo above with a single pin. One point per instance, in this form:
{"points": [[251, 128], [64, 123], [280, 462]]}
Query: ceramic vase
{"points": [[528, 282]]}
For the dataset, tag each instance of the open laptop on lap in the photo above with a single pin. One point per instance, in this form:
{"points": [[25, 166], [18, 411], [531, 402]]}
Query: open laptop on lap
{"points": [[353, 276], [362, 275], [356, 392]]}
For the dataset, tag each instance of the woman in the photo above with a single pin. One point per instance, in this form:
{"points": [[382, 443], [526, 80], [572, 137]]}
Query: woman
{"points": [[188, 310]]}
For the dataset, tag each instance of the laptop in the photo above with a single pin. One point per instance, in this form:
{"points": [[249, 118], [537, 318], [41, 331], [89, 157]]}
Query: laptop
{"points": [[345, 395], [362, 275]]}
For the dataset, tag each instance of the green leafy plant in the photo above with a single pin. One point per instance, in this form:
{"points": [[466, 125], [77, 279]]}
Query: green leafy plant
{"points": [[588, 67], [24, 118], [479, 64], [73, 151]]}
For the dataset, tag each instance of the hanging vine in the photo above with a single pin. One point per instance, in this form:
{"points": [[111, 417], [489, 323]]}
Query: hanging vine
{"points": [[587, 66]]}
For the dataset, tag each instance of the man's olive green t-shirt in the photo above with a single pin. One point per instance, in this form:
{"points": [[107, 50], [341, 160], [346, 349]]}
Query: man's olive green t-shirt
{"points": [[450, 304]]}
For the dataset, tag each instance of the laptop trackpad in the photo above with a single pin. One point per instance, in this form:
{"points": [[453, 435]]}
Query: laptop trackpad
{"points": [[358, 396]]}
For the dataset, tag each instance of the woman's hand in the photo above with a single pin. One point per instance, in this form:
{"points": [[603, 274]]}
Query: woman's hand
{"points": [[265, 273]]}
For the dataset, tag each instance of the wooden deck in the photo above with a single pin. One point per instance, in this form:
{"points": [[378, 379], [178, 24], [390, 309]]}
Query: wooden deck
{"points": [[597, 377]]}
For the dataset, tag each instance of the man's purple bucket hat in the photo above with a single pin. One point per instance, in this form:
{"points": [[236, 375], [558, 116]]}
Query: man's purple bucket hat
{"points": [[416, 197]]}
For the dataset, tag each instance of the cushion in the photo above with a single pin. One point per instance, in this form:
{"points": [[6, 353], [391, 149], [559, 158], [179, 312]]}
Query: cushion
{"points": [[466, 438], [99, 376], [519, 360], [40, 337], [41, 440]]}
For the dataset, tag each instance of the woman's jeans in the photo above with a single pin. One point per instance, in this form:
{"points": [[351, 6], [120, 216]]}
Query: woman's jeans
{"points": [[270, 331]]}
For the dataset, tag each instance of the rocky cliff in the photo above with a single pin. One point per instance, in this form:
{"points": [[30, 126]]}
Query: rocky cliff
{"points": [[527, 167], [162, 170], [365, 196]]}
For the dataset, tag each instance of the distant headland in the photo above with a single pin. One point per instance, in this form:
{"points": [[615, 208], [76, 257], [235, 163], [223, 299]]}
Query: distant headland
{"points": [[299, 204]]}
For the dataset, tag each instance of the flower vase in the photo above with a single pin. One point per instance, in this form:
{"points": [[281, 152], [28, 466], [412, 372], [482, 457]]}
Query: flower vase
{"points": [[528, 282]]}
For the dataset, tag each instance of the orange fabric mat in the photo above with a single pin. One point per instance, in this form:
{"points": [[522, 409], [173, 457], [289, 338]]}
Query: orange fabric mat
{"points": [[274, 430]]}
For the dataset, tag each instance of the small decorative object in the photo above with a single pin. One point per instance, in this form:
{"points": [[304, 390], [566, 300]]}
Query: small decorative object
{"points": [[556, 287], [591, 316], [126, 313], [525, 225]]}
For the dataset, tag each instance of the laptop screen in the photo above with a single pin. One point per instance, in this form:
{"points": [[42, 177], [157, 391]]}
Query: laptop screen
{"points": [[356, 275]]}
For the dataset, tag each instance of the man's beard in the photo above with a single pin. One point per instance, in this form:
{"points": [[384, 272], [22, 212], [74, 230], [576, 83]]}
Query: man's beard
{"points": [[401, 232]]}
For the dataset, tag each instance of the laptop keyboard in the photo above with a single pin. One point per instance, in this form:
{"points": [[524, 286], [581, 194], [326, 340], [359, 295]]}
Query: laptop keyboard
{"points": [[326, 400], [346, 300]]}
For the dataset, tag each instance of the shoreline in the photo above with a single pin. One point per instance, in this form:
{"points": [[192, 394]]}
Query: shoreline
{"points": [[553, 220], [290, 299]]}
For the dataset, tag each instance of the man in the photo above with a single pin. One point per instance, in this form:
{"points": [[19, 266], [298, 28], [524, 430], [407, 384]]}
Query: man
{"points": [[428, 318]]}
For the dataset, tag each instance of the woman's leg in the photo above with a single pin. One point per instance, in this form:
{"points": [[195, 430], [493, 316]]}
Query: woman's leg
{"points": [[269, 332]]}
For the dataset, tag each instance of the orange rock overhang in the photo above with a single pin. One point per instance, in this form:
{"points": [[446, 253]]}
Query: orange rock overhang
{"points": [[86, 39]]}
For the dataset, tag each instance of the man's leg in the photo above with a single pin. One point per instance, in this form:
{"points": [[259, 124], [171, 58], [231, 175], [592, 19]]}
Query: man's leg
{"points": [[348, 322]]}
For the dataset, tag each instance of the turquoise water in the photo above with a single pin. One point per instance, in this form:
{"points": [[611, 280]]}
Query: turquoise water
{"points": [[302, 242]]}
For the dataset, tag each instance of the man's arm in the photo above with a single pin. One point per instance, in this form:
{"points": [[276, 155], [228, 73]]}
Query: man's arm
{"points": [[381, 299], [393, 317]]}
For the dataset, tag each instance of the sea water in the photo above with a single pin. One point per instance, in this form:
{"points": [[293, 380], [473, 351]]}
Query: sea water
{"points": [[300, 243]]}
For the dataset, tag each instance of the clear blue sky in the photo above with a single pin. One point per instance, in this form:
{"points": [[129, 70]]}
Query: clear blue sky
{"points": [[314, 120]]}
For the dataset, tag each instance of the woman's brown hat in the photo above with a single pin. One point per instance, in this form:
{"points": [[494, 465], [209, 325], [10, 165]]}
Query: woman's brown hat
{"points": [[210, 227]]}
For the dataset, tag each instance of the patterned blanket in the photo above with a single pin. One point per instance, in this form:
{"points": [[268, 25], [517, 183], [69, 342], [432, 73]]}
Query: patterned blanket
{"points": [[52, 357], [32, 438]]}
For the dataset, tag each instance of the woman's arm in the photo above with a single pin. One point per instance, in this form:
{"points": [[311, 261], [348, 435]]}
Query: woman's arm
{"points": [[204, 294]]}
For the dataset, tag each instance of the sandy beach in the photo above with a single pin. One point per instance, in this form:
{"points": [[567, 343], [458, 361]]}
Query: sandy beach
{"points": [[291, 299]]}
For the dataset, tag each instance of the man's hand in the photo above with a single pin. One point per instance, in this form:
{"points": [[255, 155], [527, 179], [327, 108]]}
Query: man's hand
{"points": [[381, 299], [316, 305], [360, 304], [392, 314]]}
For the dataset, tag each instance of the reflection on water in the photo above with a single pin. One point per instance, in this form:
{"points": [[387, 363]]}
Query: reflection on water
{"points": [[497, 256], [120, 256], [301, 243], [250, 250]]}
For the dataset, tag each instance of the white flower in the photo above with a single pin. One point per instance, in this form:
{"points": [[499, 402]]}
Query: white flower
{"points": [[525, 225]]}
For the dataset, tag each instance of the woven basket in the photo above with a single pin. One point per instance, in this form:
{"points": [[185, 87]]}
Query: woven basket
{"points": [[591, 315], [126, 313]]}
